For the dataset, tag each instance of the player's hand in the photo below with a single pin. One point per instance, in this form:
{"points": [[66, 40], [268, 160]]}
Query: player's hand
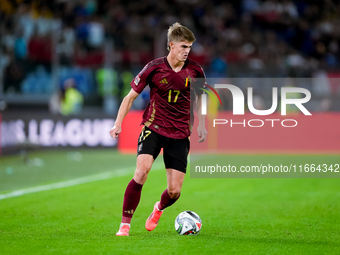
{"points": [[115, 131], [202, 133]]}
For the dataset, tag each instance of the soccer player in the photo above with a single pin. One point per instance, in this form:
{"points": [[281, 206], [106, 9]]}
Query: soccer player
{"points": [[166, 121]]}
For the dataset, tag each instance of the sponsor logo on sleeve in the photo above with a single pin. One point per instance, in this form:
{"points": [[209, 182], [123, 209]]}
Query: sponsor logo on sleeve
{"points": [[137, 80]]}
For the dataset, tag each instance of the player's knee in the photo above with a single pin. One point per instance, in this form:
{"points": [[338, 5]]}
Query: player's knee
{"points": [[144, 164], [142, 171], [140, 176], [144, 167], [174, 193]]}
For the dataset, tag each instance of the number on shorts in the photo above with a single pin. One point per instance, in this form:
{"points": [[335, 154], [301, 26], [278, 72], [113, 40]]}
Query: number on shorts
{"points": [[144, 134]]}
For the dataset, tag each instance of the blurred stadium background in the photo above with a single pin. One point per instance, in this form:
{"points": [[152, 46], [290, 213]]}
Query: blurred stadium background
{"points": [[65, 65], [52, 50]]}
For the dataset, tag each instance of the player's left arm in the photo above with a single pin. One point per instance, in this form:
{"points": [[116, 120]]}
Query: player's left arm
{"points": [[202, 132]]}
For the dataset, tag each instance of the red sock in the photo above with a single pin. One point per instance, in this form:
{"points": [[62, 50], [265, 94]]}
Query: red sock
{"points": [[131, 200], [166, 200]]}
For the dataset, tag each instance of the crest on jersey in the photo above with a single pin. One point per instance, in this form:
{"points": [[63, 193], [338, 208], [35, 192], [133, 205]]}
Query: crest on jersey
{"points": [[137, 80]]}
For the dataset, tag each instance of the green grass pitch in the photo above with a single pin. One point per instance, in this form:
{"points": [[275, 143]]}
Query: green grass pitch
{"points": [[240, 216]]}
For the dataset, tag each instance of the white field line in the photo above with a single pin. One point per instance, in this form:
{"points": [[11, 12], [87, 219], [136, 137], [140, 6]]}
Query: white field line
{"points": [[78, 181], [69, 183], [74, 182]]}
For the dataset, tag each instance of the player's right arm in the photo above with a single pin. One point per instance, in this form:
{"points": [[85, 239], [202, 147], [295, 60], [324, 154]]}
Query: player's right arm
{"points": [[123, 110], [137, 86]]}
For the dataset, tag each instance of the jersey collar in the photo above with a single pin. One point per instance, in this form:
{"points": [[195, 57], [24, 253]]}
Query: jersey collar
{"points": [[183, 67]]}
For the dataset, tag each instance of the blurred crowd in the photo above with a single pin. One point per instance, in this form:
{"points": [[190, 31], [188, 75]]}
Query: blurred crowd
{"points": [[235, 38]]}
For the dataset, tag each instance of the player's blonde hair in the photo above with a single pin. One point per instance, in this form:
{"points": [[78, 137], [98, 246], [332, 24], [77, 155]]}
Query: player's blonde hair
{"points": [[179, 33]]}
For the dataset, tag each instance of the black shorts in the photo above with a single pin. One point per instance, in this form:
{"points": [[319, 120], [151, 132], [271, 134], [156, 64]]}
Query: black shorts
{"points": [[175, 151]]}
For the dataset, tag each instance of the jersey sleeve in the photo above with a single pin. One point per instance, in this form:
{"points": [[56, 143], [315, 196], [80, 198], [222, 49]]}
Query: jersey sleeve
{"points": [[141, 80], [200, 81]]}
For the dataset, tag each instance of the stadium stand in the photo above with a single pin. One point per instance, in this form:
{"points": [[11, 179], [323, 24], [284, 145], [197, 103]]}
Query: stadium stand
{"points": [[43, 43]]}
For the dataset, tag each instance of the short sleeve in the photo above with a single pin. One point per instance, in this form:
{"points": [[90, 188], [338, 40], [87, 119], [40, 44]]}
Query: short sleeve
{"points": [[200, 81], [141, 80]]}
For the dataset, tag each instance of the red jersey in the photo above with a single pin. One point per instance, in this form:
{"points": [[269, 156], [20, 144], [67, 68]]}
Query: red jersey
{"points": [[168, 112]]}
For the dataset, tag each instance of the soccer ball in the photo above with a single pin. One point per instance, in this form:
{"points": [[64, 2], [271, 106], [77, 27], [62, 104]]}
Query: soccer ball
{"points": [[188, 223]]}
